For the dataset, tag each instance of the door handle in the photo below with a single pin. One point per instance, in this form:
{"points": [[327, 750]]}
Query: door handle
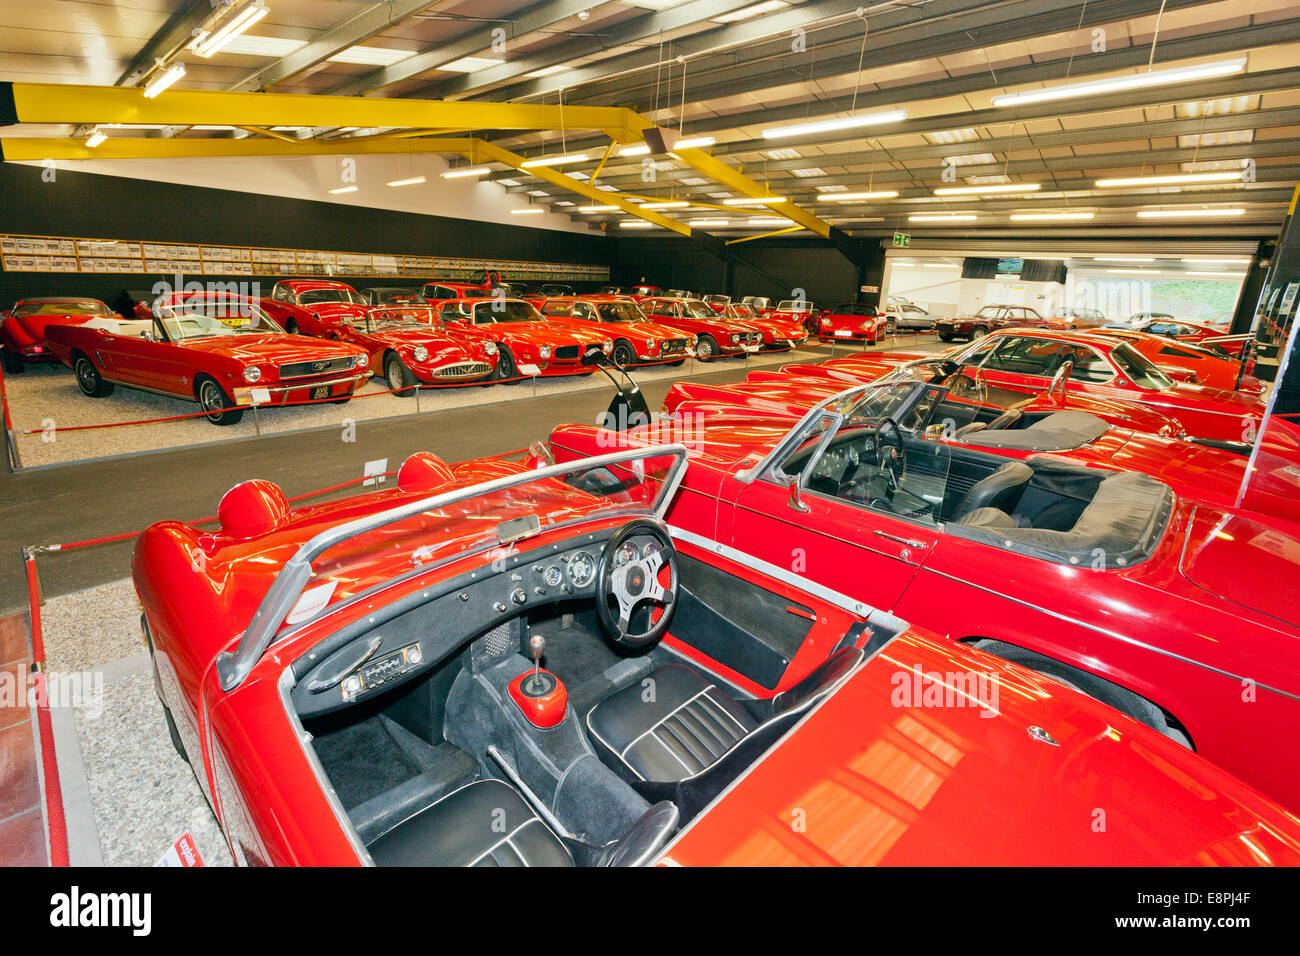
{"points": [[910, 542]]}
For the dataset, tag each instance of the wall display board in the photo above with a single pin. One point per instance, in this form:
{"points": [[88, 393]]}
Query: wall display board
{"points": [[65, 254]]}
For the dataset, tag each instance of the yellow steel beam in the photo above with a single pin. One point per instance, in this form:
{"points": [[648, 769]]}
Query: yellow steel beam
{"points": [[66, 103], [122, 147], [720, 172], [765, 235]]}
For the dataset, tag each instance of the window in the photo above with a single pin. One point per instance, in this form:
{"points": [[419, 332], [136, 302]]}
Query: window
{"points": [[1088, 365], [556, 308], [583, 310], [1140, 371], [1023, 355]]}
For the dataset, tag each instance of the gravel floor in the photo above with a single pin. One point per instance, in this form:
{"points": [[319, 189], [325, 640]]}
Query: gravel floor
{"points": [[143, 796], [46, 397]]}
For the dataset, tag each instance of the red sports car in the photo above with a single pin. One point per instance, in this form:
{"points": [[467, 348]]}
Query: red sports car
{"points": [[410, 344], [22, 328], [991, 318], [221, 351], [1205, 366], [717, 302], [319, 307], [780, 334], [714, 336], [794, 310], [500, 664], [527, 344], [639, 292], [852, 322], [1170, 327], [636, 338], [1105, 579]]}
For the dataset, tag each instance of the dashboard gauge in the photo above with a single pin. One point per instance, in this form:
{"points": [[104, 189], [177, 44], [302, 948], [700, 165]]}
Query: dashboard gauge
{"points": [[650, 548], [626, 554], [553, 576], [582, 568]]}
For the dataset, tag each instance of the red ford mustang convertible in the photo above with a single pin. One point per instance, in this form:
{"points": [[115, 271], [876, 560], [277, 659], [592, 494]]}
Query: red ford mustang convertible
{"points": [[220, 351], [504, 664], [1105, 579]]}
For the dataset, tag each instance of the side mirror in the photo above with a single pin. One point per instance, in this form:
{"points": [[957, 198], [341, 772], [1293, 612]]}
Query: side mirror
{"points": [[796, 500]]}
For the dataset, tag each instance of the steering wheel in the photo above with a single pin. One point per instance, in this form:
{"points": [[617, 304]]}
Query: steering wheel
{"points": [[634, 584], [890, 451]]}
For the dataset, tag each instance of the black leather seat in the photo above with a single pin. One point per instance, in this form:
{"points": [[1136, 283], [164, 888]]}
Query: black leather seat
{"points": [[1001, 490], [486, 823], [693, 737]]}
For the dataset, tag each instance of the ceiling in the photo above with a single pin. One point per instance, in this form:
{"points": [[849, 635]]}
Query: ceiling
{"points": [[730, 69]]}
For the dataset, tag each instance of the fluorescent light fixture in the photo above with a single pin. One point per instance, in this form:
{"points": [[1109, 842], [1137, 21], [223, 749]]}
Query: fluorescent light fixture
{"points": [[635, 224], [1135, 272], [753, 201], [1221, 275], [527, 211], [466, 171], [96, 137], [747, 13], [471, 64], [206, 44], [690, 142], [1050, 216], [1218, 262], [554, 160], [675, 204], [1130, 82], [370, 55], [1172, 180], [1123, 259], [857, 197], [599, 208], [709, 222], [770, 221], [264, 46], [829, 126], [412, 181], [1188, 213], [508, 182], [547, 71], [942, 217], [939, 265], [339, 190], [988, 190], [164, 80]]}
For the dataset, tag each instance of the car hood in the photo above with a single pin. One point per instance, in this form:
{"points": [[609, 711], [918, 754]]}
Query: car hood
{"points": [[272, 348], [336, 311], [1022, 771], [539, 333], [1214, 399]]}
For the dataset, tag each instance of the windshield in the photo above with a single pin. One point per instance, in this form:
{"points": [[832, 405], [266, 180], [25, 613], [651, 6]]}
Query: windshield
{"points": [[740, 311], [80, 306], [1139, 370], [991, 311], [757, 301], [412, 317], [697, 309], [323, 296], [717, 298], [619, 312], [854, 308], [794, 305], [505, 310], [209, 318], [399, 297]]}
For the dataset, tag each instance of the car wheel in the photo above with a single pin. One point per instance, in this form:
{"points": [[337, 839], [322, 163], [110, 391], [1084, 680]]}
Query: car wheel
{"points": [[945, 337], [706, 349], [217, 404], [624, 354], [89, 380], [890, 328], [507, 369], [13, 363], [978, 333], [399, 377], [1139, 708]]}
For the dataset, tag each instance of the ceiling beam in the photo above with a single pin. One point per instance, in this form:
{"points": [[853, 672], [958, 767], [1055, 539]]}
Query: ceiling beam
{"points": [[174, 35]]}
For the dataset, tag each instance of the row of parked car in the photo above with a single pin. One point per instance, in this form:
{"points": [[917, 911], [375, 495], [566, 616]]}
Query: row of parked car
{"points": [[317, 340]]}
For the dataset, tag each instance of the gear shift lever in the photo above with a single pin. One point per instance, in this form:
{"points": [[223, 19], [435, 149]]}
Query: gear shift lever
{"points": [[536, 648], [540, 694]]}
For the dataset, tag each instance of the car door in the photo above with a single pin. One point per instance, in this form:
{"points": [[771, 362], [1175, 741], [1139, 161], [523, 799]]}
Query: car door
{"points": [[859, 550]]}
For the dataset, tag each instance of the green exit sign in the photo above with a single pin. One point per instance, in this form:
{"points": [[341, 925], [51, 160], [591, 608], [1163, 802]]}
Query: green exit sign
{"points": [[902, 239]]}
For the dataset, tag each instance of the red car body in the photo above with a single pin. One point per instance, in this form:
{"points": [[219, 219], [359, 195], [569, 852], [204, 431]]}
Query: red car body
{"points": [[1176, 329], [794, 310], [1014, 775], [639, 292], [410, 344], [780, 334], [22, 328], [714, 336], [1169, 628], [319, 307], [990, 318], [213, 349], [717, 302], [852, 323], [1208, 367], [524, 338], [618, 319]]}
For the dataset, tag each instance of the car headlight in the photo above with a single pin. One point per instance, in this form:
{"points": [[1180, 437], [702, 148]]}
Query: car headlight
{"points": [[544, 352], [735, 339], [252, 374], [606, 345], [649, 345], [360, 360], [695, 340], [826, 321], [420, 353], [490, 349]]}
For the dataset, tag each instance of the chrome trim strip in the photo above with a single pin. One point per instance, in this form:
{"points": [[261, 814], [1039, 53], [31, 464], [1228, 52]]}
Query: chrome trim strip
{"points": [[283, 686], [280, 389]]}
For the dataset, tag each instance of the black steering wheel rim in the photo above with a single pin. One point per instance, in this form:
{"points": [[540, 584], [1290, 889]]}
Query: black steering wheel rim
{"points": [[634, 584], [889, 434]]}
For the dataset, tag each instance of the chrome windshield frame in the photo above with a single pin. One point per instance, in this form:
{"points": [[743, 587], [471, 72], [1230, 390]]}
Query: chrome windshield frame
{"points": [[287, 588]]}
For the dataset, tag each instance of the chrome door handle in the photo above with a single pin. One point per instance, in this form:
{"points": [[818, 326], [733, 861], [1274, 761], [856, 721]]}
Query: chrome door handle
{"points": [[910, 542]]}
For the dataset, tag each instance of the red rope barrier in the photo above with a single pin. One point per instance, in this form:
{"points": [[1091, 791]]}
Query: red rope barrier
{"points": [[55, 818]]}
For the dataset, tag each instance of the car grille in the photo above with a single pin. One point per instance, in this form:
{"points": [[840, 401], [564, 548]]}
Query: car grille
{"points": [[566, 352], [753, 338], [674, 345], [321, 367], [463, 370]]}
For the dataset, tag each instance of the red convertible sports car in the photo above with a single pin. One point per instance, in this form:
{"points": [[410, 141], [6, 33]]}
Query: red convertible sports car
{"points": [[22, 328], [852, 322], [221, 351], [527, 344], [636, 338], [714, 336], [1105, 579], [520, 664], [410, 344]]}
